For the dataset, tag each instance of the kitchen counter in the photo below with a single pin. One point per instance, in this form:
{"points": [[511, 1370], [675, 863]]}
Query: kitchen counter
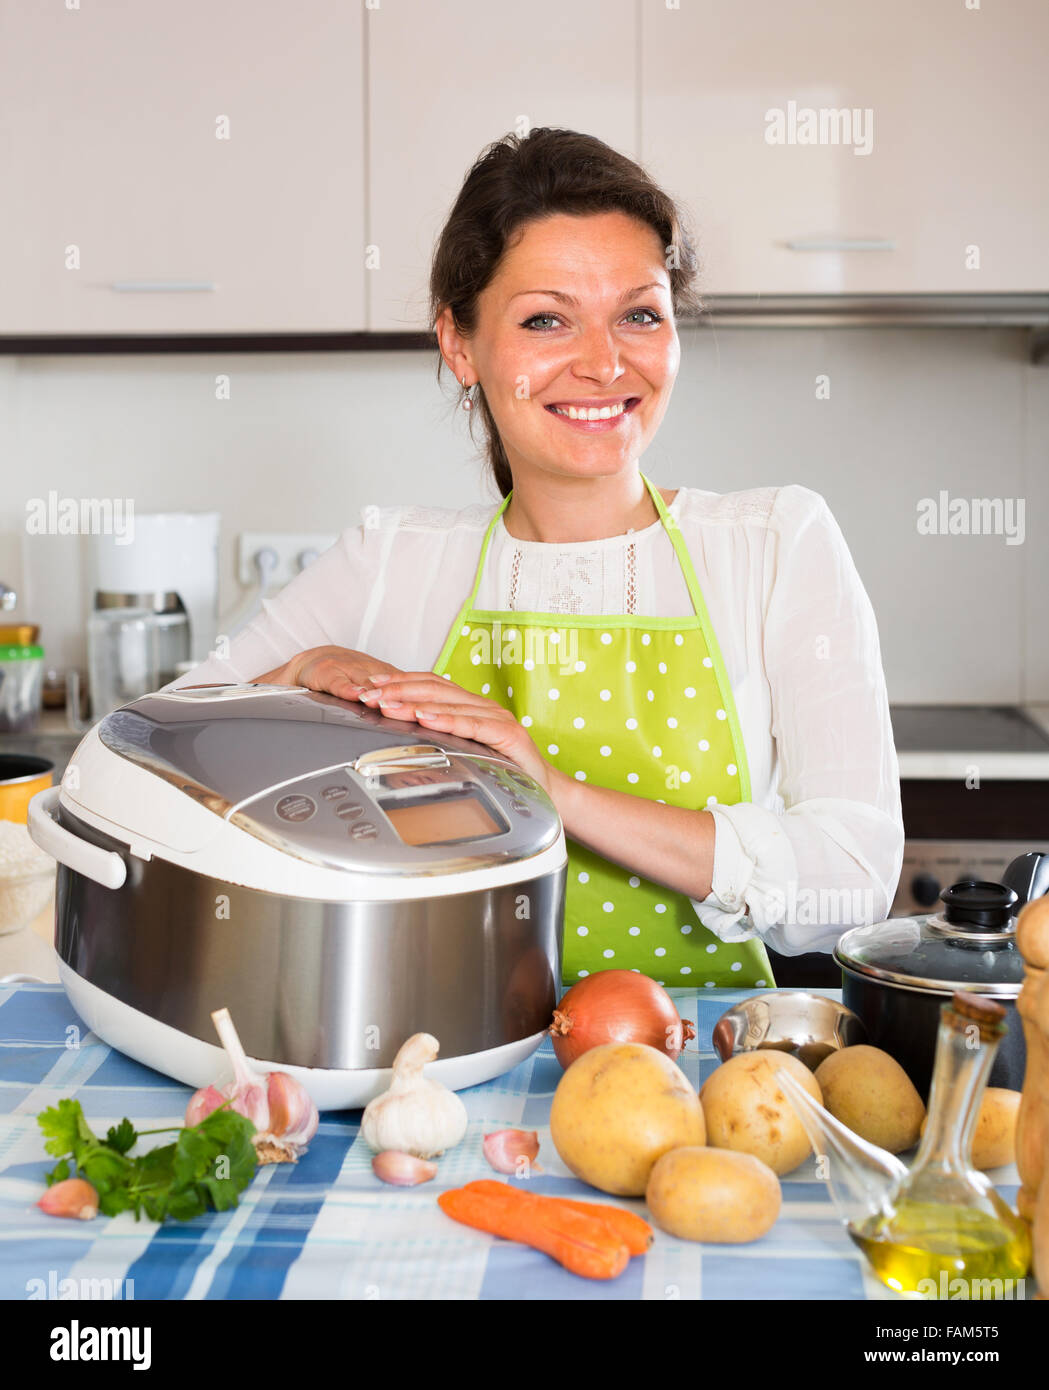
{"points": [[326, 1228], [1033, 765]]}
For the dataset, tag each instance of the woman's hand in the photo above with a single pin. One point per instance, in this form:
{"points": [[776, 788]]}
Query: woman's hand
{"points": [[331, 671], [439, 704]]}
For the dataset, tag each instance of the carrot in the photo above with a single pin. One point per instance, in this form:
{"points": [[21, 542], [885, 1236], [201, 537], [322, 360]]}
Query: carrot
{"points": [[582, 1244], [631, 1229]]}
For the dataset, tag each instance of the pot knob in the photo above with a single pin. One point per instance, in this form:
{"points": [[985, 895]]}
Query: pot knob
{"points": [[976, 906]]}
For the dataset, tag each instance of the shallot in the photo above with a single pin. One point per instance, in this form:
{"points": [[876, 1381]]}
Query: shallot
{"points": [[280, 1108], [617, 1006]]}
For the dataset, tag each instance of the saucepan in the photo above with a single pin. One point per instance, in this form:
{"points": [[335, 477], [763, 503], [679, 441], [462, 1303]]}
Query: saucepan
{"points": [[896, 975]]}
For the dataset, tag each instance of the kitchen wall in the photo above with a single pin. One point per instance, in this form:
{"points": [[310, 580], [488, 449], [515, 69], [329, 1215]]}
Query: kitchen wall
{"points": [[307, 440]]}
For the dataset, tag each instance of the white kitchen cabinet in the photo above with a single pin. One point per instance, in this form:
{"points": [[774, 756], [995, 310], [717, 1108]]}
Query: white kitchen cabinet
{"points": [[445, 80], [108, 144], [952, 197]]}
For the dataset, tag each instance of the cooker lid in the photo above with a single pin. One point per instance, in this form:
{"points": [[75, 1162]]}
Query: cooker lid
{"points": [[332, 782], [971, 945]]}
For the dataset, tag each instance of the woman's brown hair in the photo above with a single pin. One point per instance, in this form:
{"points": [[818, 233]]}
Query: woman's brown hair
{"points": [[520, 179]]}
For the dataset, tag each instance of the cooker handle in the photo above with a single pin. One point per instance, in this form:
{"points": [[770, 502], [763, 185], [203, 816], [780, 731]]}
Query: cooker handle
{"points": [[105, 866], [382, 760]]}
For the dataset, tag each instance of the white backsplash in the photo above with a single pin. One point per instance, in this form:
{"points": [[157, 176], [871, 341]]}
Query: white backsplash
{"points": [[306, 440]]}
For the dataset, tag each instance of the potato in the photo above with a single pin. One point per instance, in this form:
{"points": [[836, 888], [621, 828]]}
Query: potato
{"points": [[869, 1091], [713, 1194], [994, 1138], [745, 1110], [617, 1108]]}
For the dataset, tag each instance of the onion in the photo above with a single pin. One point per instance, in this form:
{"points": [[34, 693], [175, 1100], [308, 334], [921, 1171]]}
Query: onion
{"points": [[617, 1006]]}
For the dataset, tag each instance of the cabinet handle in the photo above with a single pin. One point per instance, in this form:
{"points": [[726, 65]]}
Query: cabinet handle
{"points": [[840, 244], [163, 286]]}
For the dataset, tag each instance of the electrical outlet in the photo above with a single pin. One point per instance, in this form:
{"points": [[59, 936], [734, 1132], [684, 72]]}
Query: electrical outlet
{"points": [[287, 546]]}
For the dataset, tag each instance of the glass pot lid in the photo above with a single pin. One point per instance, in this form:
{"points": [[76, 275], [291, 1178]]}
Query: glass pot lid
{"points": [[971, 945]]}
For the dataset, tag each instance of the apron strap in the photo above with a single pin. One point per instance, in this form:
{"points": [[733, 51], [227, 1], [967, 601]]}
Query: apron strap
{"points": [[454, 631], [673, 530]]}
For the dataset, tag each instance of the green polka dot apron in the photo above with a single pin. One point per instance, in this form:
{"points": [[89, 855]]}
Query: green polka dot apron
{"points": [[638, 704]]}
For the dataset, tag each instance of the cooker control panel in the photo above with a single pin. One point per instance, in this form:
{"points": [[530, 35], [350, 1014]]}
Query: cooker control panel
{"points": [[406, 820]]}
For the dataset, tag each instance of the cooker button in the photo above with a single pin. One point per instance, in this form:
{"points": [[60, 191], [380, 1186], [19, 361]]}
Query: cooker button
{"points": [[296, 808], [349, 810], [335, 793], [364, 830], [520, 779], [521, 807]]}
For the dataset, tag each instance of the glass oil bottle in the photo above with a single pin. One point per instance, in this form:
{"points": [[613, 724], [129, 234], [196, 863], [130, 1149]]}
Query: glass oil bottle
{"points": [[945, 1232]]}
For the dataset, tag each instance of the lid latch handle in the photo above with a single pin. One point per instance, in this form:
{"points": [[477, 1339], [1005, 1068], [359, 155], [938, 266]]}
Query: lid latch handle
{"points": [[380, 761]]}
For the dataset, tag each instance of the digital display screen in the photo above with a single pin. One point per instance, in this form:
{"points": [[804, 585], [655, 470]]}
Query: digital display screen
{"points": [[438, 820]]}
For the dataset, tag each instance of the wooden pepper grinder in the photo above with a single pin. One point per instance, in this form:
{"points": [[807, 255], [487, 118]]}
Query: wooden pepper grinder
{"points": [[1032, 1129]]}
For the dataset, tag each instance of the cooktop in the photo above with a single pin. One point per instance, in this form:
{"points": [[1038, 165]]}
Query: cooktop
{"points": [[967, 729]]}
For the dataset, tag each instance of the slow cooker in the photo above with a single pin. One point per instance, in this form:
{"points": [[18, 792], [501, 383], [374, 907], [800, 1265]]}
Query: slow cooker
{"points": [[337, 879]]}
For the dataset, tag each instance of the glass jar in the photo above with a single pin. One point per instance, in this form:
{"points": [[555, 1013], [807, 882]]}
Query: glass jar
{"points": [[21, 688], [131, 652]]}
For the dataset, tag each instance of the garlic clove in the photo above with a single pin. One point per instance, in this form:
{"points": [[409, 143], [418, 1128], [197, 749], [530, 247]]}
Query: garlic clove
{"points": [[401, 1169], [202, 1103], [512, 1151], [73, 1197], [293, 1115]]}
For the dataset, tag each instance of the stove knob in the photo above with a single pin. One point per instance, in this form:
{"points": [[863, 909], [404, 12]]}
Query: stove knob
{"points": [[925, 889]]}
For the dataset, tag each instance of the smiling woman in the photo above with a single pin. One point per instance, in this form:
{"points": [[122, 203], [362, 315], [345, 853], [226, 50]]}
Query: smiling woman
{"points": [[554, 289], [706, 705]]}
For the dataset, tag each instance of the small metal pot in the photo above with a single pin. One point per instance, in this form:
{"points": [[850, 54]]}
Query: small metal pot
{"points": [[896, 976], [809, 1026]]}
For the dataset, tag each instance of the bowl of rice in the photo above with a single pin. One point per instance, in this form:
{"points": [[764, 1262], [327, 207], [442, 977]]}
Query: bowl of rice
{"points": [[27, 877]]}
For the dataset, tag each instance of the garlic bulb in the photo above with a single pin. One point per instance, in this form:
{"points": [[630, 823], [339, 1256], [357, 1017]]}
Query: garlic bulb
{"points": [[415, 1116], [282, 1111]]}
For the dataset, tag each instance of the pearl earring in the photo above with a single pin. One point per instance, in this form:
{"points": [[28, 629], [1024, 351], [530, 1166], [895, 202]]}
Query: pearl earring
{"points": [[467, 402]]}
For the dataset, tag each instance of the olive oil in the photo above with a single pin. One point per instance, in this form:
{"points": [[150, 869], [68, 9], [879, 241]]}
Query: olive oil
{"points": [[939, 1250]]}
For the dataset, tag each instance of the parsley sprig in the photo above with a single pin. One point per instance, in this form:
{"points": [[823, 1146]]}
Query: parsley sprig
{"points": [[208, 1164]]}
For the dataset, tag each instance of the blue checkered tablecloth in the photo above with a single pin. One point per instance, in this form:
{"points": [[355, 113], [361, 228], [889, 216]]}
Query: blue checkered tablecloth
{"points": [[327, 1228]]}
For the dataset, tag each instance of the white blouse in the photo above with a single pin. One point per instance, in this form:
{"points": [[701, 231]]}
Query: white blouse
{"points": [[820, 846]]}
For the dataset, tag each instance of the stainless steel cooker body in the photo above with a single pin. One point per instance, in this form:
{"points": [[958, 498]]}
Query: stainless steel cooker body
{"points": [[312, 983]]}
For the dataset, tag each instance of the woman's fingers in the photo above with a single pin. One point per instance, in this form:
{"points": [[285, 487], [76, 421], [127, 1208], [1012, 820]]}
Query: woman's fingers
{"points": [[496, 728], [405, 687], [342, 672]]}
